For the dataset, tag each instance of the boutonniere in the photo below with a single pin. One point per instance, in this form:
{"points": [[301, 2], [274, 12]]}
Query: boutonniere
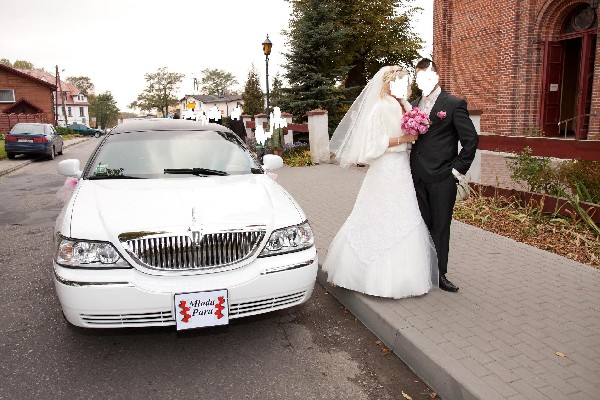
{"points": [[441, 114]]}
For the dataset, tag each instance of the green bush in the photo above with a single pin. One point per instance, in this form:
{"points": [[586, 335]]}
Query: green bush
{"points": [[537, 172], [297, 155], [64, 131], [579, 178]]}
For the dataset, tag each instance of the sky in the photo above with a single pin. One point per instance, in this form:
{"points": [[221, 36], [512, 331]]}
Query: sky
{"points": [[116, 42]]}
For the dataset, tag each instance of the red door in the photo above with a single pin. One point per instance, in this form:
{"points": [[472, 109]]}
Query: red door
{"points": [[586, 78], [551, 87]]}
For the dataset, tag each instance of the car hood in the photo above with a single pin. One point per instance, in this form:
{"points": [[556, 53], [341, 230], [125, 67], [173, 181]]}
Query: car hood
{"points": [[104, 209]]}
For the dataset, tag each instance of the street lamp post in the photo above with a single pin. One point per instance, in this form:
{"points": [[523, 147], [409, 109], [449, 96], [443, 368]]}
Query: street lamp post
{"points": [[267, 45]]}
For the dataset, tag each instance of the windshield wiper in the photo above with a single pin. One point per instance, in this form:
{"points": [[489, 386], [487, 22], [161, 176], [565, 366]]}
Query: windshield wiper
{"points": [[195, 171], [97, 177], [256, 171]]}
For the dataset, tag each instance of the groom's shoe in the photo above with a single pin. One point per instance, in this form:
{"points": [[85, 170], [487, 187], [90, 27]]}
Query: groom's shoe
{"points": [[446, 285]]}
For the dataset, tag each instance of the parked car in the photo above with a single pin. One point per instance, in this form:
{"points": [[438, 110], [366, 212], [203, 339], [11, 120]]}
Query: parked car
{"points": [[33, 138], [85, 130], [174, 222]]}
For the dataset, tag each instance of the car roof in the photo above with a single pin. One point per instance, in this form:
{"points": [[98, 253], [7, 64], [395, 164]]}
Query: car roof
{"points": [[166, 124], [32, 123]]}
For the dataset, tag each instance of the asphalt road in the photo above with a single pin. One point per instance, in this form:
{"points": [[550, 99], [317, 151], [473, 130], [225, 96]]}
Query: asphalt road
{"points": [[314, 351]]}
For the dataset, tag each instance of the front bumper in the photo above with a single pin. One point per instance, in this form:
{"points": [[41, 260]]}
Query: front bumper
{"points": [[130, 298]]}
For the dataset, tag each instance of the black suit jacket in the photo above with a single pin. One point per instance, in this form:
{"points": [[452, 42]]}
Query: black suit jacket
{"points": [[435, 153]]}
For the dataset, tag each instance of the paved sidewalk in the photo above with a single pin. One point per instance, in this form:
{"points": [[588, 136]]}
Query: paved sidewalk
{"points": [[524, 325], [7, 166]]}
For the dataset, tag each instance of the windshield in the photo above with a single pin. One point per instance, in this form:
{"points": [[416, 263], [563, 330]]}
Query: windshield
{"points": [[173, 154], [28, 129]]}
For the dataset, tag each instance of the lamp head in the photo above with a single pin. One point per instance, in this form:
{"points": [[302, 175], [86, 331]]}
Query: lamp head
{"points": [[267, 46]]}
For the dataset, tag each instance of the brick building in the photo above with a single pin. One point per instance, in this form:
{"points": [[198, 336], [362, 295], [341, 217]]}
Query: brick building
{"points": [[526, 65], [21, 93]]}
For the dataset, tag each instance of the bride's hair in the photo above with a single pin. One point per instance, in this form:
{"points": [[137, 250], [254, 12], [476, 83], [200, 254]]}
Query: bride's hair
{"points": [[390, 75]]}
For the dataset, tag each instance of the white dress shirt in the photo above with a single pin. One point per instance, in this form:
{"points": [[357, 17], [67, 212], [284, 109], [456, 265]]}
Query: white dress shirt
{"points": [[427, 102]]}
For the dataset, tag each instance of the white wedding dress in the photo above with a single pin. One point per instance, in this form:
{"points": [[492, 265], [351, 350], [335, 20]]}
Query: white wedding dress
{"points": [[384, 248]]}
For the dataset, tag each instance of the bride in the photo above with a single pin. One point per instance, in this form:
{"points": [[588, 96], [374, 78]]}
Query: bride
{"points": [[384, 248]]}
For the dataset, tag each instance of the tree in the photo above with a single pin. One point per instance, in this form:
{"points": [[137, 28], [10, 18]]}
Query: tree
{"points": [[124, 114], [161, 91], [253, 95], [337, 45], [377, 34], [217, 82], [23, 64], [104, 108], [276, 95], [83, 83], [6, 61], [415, 92], [313, 65]]}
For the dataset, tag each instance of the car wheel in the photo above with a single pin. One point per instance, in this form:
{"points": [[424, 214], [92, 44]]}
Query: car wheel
{"points": [[11, 156], [61, 150], [96, 134], [52, 154]]}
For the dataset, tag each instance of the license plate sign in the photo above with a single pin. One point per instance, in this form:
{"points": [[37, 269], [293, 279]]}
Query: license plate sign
{"points": [[201, 309], [25, 140]]}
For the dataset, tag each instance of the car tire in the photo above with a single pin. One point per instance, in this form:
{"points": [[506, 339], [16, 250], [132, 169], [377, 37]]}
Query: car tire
{"points": [[52, 154], [61, 150], [11, 156], [97, 134]]}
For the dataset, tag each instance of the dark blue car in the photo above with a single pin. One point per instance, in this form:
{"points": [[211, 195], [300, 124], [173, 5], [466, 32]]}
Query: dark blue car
{"points": [[30, 138]]}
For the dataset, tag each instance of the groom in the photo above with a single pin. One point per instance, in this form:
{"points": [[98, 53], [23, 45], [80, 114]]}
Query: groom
{"points": [[435, 161]]}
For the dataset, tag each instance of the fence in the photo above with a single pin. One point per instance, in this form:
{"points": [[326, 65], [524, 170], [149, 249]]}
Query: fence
{"points": [[7, 121]]}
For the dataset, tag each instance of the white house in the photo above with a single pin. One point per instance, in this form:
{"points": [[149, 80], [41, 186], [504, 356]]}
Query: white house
{"points": [[204, 102], [76, 103]]}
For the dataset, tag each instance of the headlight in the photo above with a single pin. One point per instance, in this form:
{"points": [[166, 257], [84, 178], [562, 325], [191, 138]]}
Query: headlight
{"points": [[85, 254], [286, 240]]}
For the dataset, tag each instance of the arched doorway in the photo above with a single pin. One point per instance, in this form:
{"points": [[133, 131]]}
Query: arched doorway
{"points": [[567, 76]]}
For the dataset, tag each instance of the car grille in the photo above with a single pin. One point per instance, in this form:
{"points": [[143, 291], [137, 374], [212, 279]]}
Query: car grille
{"points": [[164, 318], [141, 319], [214, 250], [260, 306]]}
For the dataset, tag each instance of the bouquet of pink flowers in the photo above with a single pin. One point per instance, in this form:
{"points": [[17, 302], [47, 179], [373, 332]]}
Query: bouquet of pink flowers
{"points": [[415, 122]]}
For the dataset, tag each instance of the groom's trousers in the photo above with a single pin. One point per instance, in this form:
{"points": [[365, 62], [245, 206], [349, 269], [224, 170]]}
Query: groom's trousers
{"points": [[436, 202]]}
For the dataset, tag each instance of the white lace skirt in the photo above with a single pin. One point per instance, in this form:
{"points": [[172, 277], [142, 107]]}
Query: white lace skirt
{"points": [[384, 248]]}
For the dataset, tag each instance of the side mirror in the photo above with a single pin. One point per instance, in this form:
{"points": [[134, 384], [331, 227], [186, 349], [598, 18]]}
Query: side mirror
{"points": [[69, 167], [271, 161]]}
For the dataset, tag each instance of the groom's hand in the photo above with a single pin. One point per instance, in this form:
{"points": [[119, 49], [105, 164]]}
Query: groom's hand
{"points": [[458, 177]]}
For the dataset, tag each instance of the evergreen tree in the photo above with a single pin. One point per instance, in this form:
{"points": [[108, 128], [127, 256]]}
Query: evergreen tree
{"points": [[276, 94], [414, 92], [253, 95], [313, 70]]}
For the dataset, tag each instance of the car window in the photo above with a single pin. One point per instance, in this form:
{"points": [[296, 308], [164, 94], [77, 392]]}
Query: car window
{"points": [[28, 129], [148, 154]]}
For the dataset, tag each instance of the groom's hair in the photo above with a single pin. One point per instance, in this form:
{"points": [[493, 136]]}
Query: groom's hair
{"points": [[425, 63]]}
